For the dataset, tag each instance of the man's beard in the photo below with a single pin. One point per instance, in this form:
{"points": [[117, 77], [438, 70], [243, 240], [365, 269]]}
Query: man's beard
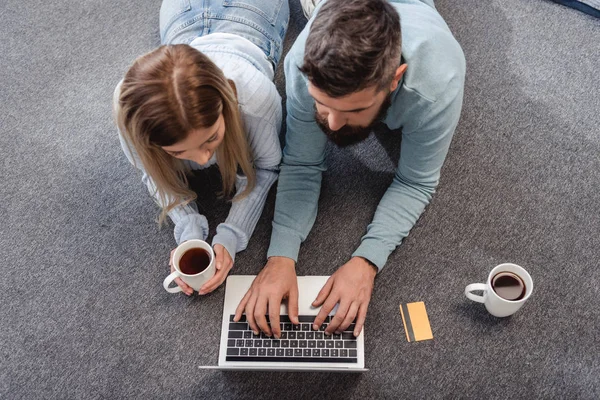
{"points": [[348, 135]]}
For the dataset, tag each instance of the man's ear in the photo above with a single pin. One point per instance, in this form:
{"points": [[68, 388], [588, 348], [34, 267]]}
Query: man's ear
{"points": [[397, 76]]}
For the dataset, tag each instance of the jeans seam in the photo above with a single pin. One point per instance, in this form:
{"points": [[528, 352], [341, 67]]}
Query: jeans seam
{"points": [[245, 22], [181, 27], [178, 14], [235, 53], [258, 11]]}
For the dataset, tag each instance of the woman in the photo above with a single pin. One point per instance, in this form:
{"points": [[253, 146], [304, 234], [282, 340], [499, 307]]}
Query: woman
{"points": [[206, 97]]}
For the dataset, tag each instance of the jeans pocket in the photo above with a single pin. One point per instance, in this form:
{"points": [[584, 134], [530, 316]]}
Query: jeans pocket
{"points": [[170, 10], [267, 9]]}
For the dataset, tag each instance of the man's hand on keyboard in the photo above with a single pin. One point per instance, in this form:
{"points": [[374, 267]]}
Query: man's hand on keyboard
{"points": [[276, 281], [350, 286]]}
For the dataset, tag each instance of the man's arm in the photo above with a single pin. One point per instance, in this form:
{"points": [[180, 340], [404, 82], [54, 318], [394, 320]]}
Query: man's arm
{"points": [[423, 151], [301, 170], [295, 208], [424, 148]]}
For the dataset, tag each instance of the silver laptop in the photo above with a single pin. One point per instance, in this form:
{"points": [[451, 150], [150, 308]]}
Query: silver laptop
{"points": [[300, 348]]}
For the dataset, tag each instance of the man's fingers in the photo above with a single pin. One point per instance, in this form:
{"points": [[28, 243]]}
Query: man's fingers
{"points": [[360, 320], [293, 304], [184, 287], [240, 308], [250, 313], [321, 297], [338, 318], [260, 312], [325, 290], [324, 312], [274, 305], [350, 316]]}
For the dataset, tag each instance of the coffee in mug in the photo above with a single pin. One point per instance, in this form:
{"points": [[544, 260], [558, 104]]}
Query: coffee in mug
{"points": [[507, 288], [194, 263]]}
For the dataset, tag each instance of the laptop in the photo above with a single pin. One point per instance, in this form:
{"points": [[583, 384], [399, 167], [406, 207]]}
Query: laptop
{"points": [[300, 348]]}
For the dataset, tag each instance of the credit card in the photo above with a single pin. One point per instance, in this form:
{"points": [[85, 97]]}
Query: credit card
{"points": [[416, 322]]}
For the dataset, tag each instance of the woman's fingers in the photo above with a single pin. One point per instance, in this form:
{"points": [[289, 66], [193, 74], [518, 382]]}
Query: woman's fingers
{"points": [[214, 282], [224, 265], [184, 286], [220, 256]]}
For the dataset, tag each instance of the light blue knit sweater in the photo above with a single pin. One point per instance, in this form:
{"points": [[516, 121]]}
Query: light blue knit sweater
{"points": [[260, 107]]}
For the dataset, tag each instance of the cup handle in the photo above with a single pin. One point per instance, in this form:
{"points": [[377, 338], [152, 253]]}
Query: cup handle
{"points": [[474, 297], [168, 281]]}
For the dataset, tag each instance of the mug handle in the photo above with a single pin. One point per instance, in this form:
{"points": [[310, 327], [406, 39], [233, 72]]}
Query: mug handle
{"points": [[474, 297], [168, 281]]}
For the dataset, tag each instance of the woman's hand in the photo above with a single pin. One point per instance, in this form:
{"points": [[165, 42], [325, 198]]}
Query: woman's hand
{"points": [[223, 264], [184, 286]]}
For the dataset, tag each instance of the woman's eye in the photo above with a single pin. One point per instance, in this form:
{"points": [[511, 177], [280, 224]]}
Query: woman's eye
{"points": [[212, 139]]}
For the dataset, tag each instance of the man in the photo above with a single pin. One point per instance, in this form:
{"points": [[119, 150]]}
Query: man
{"points": [[354, 65]]}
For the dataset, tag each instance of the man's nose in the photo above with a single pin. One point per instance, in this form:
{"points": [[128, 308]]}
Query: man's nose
{"points": [[335, 121]]}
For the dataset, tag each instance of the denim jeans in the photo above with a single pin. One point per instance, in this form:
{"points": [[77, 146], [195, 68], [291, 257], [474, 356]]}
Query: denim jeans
{"points": [[263, 22]]}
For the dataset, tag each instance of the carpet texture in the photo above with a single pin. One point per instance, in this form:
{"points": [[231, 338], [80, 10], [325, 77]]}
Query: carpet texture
{"points": [[83, 311]]}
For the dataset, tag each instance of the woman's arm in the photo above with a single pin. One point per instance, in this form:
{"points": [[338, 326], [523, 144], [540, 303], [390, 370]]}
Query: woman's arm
{"points": [[189, 223], [237, 229]]}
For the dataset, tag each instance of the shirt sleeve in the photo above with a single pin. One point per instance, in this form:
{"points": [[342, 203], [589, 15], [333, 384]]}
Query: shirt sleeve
{"points": [[301, 170], [425, 143], [263, 138]]}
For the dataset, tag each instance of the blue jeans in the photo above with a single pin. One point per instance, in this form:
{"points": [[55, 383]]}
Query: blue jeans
{"points": [[263, 22]]}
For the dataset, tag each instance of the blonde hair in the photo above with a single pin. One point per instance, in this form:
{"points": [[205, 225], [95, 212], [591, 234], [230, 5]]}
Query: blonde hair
{"points": [[168, 93]]}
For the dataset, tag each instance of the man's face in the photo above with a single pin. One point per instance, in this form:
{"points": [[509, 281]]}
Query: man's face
{"points": [[350, 119]]}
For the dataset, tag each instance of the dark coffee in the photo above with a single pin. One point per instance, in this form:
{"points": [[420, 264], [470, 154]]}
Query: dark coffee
{"points": [[194, 261], [509, 286]]}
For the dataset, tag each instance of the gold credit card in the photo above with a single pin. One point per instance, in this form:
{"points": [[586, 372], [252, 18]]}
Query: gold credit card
{"points": [[416, 322]]}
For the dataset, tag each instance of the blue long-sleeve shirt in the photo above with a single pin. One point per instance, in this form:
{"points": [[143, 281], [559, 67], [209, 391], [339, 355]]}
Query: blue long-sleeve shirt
{"points": [[260, 108], [426, 105]]}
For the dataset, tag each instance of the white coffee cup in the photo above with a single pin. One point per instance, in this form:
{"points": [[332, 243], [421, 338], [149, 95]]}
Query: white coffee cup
{"points": [[195, 281], [496, 305]]}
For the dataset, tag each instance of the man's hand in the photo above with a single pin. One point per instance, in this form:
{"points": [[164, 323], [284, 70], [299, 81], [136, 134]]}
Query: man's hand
{"points": [[276, 281], [350, 286]]}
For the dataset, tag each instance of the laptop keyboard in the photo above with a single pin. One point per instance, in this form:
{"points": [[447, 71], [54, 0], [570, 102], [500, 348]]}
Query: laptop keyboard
{"points": [[298, 343]]}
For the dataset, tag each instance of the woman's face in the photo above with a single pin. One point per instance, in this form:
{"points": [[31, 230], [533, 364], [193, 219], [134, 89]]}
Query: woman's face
{"points": [[199, 145]]}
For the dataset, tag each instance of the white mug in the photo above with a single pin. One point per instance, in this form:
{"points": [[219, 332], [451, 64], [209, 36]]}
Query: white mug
{"points": [[195, 281], [496, 305]]}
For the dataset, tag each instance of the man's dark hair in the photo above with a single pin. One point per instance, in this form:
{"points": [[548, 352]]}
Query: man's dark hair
{"points": [[352, 45]]}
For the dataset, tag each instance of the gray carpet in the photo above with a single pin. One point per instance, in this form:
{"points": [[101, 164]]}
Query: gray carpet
{"points": [[82, 308]]}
